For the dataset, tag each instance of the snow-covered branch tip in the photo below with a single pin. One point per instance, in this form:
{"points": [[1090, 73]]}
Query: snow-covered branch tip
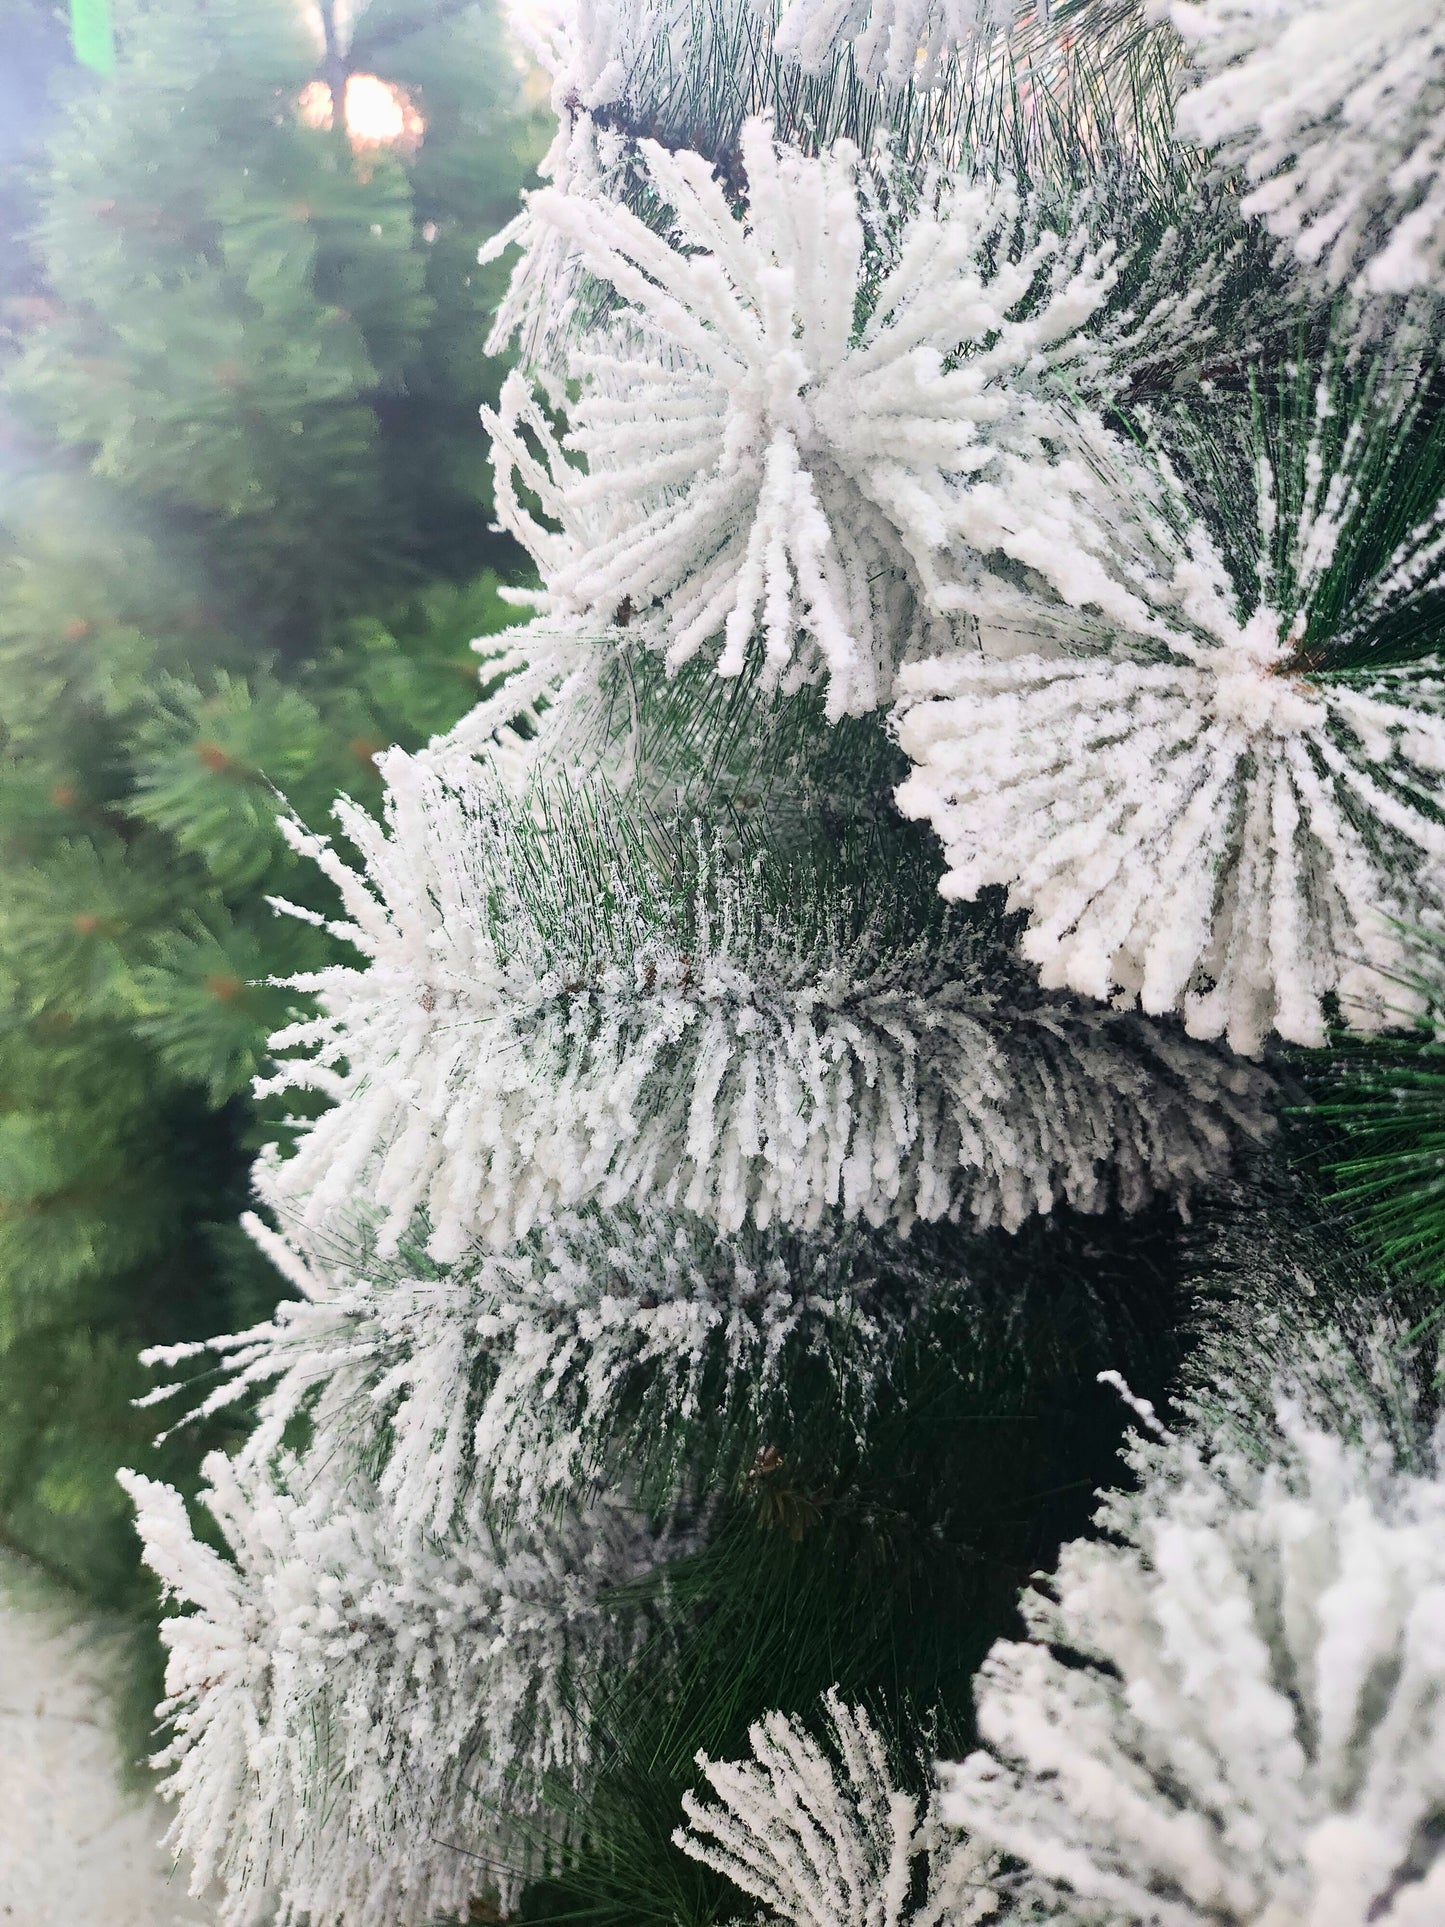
{"points": [[819, 1835], [614, 65], [1334, 111], [1249, 1725], [751, 465], [1201, 815], [518, 1374], [362, 1715], [528, 672], [501, 1059]]}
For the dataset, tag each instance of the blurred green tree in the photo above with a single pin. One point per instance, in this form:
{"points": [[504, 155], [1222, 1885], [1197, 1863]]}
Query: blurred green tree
{"points": [[244, 543]]}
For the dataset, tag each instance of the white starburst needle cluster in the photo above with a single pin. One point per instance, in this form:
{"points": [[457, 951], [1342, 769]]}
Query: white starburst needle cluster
{"points": [[748, 460], [1219, 837], [734, 1066], [1250, 1725], [1335, 110], [362, 1713], [1195, 817], [821, 1835]]}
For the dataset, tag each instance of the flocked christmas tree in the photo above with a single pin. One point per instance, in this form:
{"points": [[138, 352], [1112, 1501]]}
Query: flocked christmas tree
{"points": [[825, 1037]]}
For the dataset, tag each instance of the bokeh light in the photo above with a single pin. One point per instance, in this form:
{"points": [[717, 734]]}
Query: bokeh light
{"points": [[378, 114]]}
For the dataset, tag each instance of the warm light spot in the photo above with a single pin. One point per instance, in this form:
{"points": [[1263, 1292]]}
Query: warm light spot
{"points": [[314, 100], [377, 114]]}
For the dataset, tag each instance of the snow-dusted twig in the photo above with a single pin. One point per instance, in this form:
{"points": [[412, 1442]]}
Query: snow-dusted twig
{"points": [[520, 1373], [601, 56], [1223, 838], [532, 669], [800, 426], [901, 42]]}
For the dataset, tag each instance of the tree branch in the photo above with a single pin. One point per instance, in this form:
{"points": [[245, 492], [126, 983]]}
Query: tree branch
{"points": [[387, 34]]}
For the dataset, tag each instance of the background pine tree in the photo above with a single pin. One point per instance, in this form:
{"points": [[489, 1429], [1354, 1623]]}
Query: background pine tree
{"points": [[244, 513]]}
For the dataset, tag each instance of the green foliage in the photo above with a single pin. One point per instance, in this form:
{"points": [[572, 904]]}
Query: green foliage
{"points": [[1366, 422], [211, 765], [1379, 1138], [244, 511], [204, 1003], [252, 326]]}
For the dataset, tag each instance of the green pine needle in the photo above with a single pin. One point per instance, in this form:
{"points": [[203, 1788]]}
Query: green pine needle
{"points": [[1385, 1101]]}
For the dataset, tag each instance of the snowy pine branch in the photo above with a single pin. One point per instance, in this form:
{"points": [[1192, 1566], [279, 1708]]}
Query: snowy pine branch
{"points": [[363, 1714], [1222, 807], [554, 1016], [1334, 110], [923, 44], [804, 426], [588, 1357], [1217, 865], [821, 1835], [1233, 1712], [690, 72], [526, 673]]}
